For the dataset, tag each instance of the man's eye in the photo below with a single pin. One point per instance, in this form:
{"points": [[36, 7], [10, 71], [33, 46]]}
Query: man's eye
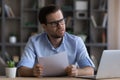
{"points": [[53, 24]]}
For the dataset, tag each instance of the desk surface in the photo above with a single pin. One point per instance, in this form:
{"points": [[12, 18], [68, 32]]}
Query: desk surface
{"points": [[50, 78]]}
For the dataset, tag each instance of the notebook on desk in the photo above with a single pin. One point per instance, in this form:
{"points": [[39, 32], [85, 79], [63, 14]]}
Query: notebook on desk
{"points": [[109, 66]]}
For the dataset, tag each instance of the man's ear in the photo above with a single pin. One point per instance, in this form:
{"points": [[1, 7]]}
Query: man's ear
{"points": [[44, 26]]}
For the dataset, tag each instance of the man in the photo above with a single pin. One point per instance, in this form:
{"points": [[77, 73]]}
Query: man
{"points": [[53, 40]]}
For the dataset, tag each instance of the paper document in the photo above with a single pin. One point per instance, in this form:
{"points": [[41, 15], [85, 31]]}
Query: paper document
{"points": [[54, 65]]}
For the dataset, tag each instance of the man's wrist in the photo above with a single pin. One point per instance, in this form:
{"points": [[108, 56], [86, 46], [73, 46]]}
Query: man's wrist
{"points": [[32, 72]]}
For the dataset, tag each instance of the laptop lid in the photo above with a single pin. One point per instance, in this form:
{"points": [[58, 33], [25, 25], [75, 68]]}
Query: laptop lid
{"points": [[109, 66]]}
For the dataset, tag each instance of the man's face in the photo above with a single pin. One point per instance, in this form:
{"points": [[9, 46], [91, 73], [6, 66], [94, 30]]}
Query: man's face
{"points": [[55, 26]]}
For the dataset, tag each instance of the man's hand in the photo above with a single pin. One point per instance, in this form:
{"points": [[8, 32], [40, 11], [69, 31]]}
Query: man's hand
{"points": [[72, 70], [38, 70]]}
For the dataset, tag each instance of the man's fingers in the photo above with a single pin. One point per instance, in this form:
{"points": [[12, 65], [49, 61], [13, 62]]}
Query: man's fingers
{"points": [[38, 70], [72, 70]]}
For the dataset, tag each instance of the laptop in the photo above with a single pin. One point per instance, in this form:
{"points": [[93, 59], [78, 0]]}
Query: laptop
{"points": [[109, 66]]}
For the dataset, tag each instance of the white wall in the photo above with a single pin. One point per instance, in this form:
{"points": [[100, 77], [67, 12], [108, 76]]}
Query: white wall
{"points": [[114, 24]]}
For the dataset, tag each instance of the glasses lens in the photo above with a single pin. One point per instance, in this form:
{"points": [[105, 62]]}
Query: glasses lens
{"points": [[54, 24]]}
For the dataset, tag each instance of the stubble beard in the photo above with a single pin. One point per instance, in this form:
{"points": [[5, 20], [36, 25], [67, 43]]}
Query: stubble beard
{"points": [[57, 36]]}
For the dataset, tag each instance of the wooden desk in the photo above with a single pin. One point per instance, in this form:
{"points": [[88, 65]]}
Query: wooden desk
{"points": [[42, 78], [49, 78]]}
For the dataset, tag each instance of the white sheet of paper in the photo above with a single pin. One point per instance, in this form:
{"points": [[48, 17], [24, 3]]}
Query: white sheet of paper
{"points": [[54, 65]]}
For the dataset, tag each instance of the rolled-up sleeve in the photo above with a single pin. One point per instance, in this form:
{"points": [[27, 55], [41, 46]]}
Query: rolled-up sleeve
{"points": [[83, 58]]}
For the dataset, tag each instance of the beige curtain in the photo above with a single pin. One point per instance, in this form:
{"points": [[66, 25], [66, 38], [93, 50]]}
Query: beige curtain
{"points": [[114, 24]]}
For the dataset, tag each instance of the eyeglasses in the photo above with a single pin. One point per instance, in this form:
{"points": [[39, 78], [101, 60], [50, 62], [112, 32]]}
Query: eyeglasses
{"points": [[57, 22]]}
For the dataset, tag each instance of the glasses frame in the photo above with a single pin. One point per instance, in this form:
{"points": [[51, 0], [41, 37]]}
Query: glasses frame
{"points": [[57, 22]]}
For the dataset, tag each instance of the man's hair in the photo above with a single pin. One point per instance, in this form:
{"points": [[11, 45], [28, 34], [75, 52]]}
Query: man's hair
{"points": [[46, 11]]}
